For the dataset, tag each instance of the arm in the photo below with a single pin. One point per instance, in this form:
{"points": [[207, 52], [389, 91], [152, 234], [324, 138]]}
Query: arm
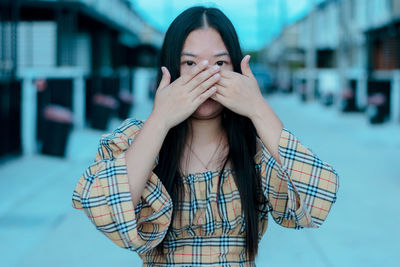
{"points": [[300, 188], [268, 126], [103, 193], [301, 191], [141, 155]]}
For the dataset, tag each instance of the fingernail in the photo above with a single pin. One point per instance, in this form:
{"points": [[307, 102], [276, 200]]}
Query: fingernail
{"points": [[213, 88], [217, 76], [204, 62], [216, 67]]}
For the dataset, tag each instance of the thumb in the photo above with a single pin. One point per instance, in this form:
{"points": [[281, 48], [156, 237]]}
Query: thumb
{"points": [[165, 79], [244, 65]]}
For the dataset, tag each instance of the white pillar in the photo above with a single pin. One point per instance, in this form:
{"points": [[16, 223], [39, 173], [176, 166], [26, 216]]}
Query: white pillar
{"points": [[79, 102], [28, 121], [395, 98], [310, 84], [141, 84], [143, 104], [311, 54]]}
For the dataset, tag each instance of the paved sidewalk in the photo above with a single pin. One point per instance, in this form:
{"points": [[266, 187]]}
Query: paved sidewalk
{"points": [[39, 227]]}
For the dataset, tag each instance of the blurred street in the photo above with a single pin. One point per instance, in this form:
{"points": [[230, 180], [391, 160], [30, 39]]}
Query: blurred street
{"points": [[73, 70], [38, 221]]}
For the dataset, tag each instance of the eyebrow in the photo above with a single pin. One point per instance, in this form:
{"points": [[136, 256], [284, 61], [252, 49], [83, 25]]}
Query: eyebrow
{"points": [[216, 55]]}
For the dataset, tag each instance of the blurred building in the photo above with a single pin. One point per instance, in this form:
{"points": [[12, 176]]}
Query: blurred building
{"points": [[345, 53], [67, 61]]}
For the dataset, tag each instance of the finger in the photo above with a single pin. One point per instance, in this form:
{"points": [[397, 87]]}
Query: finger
{"points": [[166, 78], [204, 96], [228, 74], [224, 82], [218, 97], [205, 85], [202, 77], [223, 90], [194, 71], [245, 67]]}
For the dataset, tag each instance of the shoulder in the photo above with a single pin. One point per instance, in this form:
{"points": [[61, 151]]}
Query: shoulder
{"points": [[129, 125], [121, 137], [126, 130]]}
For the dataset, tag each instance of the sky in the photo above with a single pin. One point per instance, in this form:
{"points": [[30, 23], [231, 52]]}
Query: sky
{"points": [[256, 21]]}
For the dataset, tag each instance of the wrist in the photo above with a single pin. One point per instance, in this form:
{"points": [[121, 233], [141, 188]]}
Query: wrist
{"points": [[260, 112], [158, 123], [264, 115]]}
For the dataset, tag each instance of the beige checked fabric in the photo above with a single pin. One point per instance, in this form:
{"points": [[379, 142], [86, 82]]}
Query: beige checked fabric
{"points": [[208, 230]]}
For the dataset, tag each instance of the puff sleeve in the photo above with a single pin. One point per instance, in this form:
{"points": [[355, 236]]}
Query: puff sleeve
{"points": [[301, 191], [103, 194]]}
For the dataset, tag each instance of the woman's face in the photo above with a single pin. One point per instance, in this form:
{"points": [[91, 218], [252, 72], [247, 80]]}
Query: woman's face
{"points": [[205, 44]]}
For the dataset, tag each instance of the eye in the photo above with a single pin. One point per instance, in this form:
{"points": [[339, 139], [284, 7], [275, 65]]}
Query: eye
{"points": [[220, 63], [189, 63]]}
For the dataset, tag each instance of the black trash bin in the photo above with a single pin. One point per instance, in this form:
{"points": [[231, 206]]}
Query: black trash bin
{"points": [[303, 92], [103, 108], [376, 108], [57, 122], [125, 104], [348, 100], [327, 99]]}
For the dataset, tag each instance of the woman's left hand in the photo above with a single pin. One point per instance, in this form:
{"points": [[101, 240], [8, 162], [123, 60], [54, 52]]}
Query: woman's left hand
{"points": [[239, 92]]}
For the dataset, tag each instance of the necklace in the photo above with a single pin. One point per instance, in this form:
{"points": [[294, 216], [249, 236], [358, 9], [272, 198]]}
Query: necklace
{"points": [[208, 163]]}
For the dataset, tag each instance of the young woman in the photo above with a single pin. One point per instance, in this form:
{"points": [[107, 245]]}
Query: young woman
{"points": [[194, 183]]}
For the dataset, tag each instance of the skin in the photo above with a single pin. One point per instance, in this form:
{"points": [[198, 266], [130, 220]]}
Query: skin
{"points": [[200, 94]]}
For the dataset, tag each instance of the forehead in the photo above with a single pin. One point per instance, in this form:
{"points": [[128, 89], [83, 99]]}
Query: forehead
{"points": [[204, 42]]}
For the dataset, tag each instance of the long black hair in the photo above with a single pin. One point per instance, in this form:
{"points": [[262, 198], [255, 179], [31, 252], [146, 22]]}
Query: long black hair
{"points": [[240, 130]]}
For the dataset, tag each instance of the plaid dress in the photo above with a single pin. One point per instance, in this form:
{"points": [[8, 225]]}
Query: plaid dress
{"points": [[208, 230]]}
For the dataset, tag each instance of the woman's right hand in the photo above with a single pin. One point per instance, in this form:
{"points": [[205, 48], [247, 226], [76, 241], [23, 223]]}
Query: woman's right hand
{"points": [[175, 102]]}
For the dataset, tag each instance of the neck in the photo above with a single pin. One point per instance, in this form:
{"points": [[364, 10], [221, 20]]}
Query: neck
{"points": [[203, 132]]}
